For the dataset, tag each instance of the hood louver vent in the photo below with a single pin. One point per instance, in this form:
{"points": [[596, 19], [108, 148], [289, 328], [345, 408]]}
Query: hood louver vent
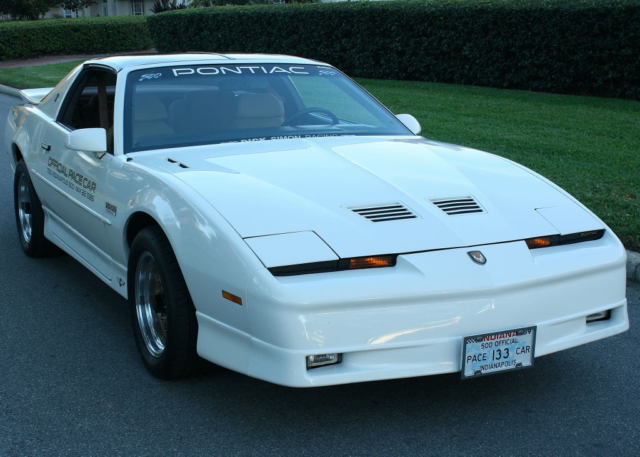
{"points": [[382, 213], [460, 205]]}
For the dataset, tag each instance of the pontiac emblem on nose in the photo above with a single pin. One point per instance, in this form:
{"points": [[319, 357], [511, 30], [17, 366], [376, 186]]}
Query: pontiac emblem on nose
{"points": [[478, 257]]}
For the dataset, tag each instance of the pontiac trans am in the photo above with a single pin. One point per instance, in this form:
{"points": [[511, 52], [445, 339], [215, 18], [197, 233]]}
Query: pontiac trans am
{"points": [[267, 214]]}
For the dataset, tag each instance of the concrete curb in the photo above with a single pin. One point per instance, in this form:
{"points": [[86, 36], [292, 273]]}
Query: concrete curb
{"points": [[633, 266]]}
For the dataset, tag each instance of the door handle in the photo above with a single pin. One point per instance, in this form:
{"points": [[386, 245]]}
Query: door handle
{"points": [[45, 147]]}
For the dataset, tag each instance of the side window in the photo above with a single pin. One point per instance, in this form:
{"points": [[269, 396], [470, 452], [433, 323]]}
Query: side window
{"points": [[90, 103]]}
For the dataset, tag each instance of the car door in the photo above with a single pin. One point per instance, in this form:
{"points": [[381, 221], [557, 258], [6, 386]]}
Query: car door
{"points": [[79, 211]]}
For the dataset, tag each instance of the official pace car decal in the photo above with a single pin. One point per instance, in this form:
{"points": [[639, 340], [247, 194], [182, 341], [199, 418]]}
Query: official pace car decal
{"points": [[72, 179]]}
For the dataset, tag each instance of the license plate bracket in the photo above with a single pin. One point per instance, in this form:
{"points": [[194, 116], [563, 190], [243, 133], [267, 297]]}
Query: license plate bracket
{"points": [[497, 352]]}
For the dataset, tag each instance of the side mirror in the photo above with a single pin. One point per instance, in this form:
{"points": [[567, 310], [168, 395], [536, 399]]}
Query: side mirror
{"points": [[410, 122], [89, 140]]}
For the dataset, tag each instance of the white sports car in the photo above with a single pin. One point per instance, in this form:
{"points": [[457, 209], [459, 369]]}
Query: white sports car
{"points": [[266, 213]]}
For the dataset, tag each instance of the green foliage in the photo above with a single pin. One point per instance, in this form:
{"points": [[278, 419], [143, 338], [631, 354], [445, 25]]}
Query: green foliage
{"points": [[37, 75], [67, 36], [208, 3], [570, 46], [160, 6], [26, 9], [75, 5]]}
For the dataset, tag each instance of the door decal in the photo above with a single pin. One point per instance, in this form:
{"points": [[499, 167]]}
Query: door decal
{"points": [[72, 179]]}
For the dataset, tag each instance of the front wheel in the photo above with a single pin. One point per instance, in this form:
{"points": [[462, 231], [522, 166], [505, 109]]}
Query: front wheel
{"points": [[163, 315], [29, 215]]}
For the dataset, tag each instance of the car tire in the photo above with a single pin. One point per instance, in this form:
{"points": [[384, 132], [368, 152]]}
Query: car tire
{"points": [[29, 215], [163, 315]]}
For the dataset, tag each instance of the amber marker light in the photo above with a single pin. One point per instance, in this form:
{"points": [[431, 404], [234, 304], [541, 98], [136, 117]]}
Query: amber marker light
{"points": [[234, 298], [569, 238], [372, 262], [354, 263], [540, 242]]}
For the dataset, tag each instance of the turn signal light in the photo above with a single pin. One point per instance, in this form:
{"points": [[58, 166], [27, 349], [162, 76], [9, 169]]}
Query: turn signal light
{"points": [[234, 298], [353, 263], [372, 262], [540, 242], [557, 240]]}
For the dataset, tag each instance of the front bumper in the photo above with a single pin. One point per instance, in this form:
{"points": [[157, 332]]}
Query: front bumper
{"points": [[410, 320]]}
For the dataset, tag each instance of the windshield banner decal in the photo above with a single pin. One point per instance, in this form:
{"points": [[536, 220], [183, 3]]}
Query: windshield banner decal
{"points": [[240, 70]]}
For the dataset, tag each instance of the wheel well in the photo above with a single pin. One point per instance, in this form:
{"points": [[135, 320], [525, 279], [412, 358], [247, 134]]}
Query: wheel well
{"points": [[137, 222], [17, 155]]}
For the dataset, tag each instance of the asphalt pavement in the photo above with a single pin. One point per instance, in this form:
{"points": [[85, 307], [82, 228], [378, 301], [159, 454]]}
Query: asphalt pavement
{"points": [[72, 384]]}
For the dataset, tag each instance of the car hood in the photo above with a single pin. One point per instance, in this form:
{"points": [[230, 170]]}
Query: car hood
{"points": [[294, 185]]}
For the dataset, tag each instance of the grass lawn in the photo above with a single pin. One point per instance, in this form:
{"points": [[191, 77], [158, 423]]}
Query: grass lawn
{"points": [[36, 76], [589, 146]]}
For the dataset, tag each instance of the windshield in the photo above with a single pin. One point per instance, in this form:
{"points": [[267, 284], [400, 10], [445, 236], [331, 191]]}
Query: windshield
{"points": [[206, 104]]}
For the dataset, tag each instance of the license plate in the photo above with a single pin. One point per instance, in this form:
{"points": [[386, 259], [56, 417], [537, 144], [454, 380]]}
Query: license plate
{"points": [[496, 352]]}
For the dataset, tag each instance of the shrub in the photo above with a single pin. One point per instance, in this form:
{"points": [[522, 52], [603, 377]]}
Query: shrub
{"points": [[207, 3], [67, 36], [570, 46], [160, 6]]}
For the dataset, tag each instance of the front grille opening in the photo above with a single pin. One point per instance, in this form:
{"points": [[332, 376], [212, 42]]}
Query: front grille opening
{"points": [[383, 213]]}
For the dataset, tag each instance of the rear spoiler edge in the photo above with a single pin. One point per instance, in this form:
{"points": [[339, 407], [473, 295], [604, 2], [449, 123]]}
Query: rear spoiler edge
{"points": [[31, 96]]}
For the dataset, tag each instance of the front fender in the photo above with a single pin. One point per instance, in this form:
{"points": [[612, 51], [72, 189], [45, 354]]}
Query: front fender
{"points": [[11, 138], [211, 255]]}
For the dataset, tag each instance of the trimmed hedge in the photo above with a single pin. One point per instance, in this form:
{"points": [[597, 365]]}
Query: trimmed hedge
{"points": [[25, 39], [570, 46]]}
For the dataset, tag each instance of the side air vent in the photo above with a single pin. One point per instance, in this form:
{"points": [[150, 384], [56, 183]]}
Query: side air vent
{"points": [[382, 213], [460, 205]]}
